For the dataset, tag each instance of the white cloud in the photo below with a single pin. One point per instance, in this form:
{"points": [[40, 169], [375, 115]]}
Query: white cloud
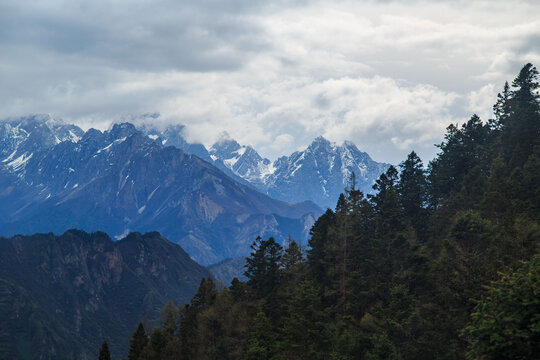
{"points": [[282, 141], [481, 101]]}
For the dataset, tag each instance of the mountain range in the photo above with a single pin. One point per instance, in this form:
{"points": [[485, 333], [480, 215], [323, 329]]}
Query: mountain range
{"points": [[319, 173], [54, 177], [214, 202], [60, 296]]}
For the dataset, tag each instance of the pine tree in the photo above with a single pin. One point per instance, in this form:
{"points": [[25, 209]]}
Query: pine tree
{"points": [[502, 108], [262, 267], [104, 353], [292, 260], [462, 150], [526, 85], [138, 341], [317, 251], [522, 132], [412, 188], [205, 294]]}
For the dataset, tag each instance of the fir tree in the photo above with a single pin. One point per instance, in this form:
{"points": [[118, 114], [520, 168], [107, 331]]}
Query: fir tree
{"points": [[262, 266], [138, 341], [104, 353], [412, 188]]}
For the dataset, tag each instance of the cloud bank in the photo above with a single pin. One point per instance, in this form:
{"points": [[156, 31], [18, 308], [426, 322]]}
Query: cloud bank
{"points": [[389, 76]]}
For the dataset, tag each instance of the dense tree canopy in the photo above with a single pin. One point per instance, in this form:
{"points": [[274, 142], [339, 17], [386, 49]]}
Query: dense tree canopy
{"points": [[412, 271]]}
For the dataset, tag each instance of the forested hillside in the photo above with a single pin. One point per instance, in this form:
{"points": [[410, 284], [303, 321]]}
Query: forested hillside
{"points": [[440, 263], [61, 295]]}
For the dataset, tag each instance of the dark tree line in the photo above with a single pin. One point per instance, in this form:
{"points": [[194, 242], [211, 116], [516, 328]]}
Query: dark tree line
{"points": [[439, 263]]}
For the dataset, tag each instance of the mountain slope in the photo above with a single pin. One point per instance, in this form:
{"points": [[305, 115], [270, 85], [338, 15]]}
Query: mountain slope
{"points": [[319, 173], [60, 296], [121, 180]]}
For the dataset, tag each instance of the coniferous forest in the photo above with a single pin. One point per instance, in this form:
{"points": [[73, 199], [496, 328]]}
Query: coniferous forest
{"points": [[441, 262]]}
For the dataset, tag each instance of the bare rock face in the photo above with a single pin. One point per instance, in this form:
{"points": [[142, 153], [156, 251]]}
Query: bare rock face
{"points": [[72, 291], [122, 180]]}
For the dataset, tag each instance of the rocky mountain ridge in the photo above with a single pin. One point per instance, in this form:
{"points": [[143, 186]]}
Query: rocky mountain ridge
{"points": [[319, 173], [122, 180]]}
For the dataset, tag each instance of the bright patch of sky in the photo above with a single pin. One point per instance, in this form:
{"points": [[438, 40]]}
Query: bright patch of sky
{"points": [[387, 75]]}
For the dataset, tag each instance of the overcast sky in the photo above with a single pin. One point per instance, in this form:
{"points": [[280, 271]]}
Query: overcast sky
{"points": [[387, 75]]}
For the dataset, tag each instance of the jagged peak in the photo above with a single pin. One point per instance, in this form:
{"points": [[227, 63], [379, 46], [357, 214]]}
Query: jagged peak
{"points": [[119, 130], [122, 126], [320, 139], [225, 143], [318, 143], [348, 143]]}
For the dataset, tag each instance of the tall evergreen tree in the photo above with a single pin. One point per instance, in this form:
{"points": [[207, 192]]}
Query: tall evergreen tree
{"points": [[462, 150], [523, 127], [502, 108], [138, 341], [526, 86], [262, 266], [412, 188], [104, 353], [205, 294], [318, 243]]}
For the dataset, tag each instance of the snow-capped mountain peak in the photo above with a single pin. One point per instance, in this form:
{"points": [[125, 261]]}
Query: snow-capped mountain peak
{"points": [[21, 138], [319, 173]]}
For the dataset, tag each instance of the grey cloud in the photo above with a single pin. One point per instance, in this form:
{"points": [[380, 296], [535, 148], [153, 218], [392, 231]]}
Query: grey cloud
{"points": [[387, 75], [140, 36]]}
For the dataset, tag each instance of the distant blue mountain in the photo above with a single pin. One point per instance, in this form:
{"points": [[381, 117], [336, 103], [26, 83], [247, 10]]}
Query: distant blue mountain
{"points": [[319, 173], [54, 177]]}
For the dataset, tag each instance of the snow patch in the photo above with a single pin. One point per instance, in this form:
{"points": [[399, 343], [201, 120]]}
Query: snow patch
{"points": [[152, 193], [153, 137], [122, 235], [73, 137], [20, 162], [240, 151], [115, 142], [10, 156], [231, 162]]}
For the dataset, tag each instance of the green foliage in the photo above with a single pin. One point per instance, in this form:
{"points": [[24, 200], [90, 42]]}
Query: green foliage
{"points": [[412, 188], [505, 324], [262, 267], [138, 341], [262, 340], [305, 328]]}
